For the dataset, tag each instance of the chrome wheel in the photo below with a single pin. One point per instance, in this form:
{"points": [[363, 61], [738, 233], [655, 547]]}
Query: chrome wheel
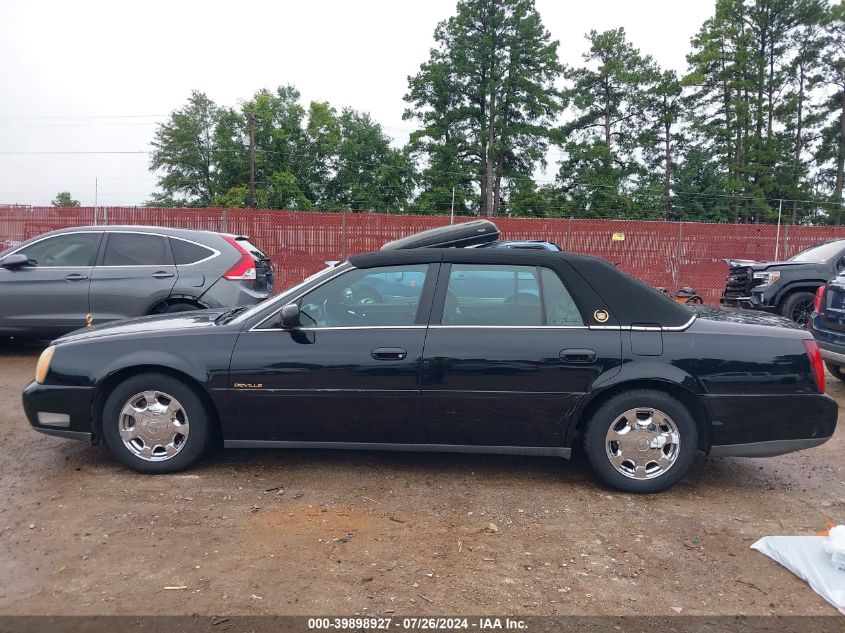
{"points": [[153, 425], [642, 443]]}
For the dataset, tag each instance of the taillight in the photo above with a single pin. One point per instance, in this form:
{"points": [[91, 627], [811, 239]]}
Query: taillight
{"points": [[244, 268], [816, 363], [819, 300]]}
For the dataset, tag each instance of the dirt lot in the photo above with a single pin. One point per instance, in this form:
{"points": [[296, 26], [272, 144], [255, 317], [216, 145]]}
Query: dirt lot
{"points": [[324, 532]]}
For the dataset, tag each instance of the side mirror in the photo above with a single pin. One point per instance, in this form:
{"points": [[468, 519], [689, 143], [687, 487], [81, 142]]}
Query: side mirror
{"points": [[17, 260], [290, 316]]}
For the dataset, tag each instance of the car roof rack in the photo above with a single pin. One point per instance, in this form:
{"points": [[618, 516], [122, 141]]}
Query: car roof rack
{"points": [[452, 236]]}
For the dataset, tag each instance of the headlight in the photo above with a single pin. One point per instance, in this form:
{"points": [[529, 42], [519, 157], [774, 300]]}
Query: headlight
{"points": [[767, 279], [43, 365]]}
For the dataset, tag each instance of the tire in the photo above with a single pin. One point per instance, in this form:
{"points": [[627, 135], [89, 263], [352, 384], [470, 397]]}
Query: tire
{"points": [[797, 307], [677, 425], [177, 306], [149, 435], [836, 370]]}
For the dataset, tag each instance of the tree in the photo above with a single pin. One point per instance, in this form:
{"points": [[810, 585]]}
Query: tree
{"points": [[831, 154], [184, 150], [610, 96], [65, 200], [485, 98]]}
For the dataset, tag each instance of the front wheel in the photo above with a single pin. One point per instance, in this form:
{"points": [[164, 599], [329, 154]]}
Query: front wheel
{"points": [[641, 441], [155, 423], [798, 307]]}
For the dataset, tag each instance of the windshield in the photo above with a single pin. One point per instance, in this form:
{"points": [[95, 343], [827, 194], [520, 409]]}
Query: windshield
{"points": [[819, 253], [279, 299]]}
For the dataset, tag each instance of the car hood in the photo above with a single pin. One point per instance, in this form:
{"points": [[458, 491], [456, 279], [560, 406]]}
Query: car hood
{"points": [[178, 321], [749, 317], [755, 265]]}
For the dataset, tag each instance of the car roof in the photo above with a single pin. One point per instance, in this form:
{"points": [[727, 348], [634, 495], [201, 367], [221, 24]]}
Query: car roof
{"points": [[629, 301], [163, 230]]}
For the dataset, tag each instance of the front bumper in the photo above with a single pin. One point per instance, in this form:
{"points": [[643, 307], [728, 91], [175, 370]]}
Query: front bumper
{"points": [[767, 425], [752, 302], [60, 410]]}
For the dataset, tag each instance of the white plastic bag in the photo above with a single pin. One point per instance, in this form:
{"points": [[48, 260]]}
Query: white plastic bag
{"points": [[835, 546], [805, 556]]}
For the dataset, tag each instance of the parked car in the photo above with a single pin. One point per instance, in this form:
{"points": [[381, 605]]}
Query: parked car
{"points": [[62, 280], [786, 288], [827, 324], [452, 356]]}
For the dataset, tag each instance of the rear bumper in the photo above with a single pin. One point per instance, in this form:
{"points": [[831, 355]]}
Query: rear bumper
{"points": [[229, 294], [60, 411], [831, 343], [766, 425]]}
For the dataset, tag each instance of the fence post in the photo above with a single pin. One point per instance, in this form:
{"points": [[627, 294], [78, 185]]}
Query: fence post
{"points": [[343, 236], [569, 234], [676, 272], [786, 240], [225, 220]]}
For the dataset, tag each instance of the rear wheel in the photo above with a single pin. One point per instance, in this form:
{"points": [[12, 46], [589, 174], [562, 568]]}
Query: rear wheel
{"points": [[641, 441], [176, 306], [798, 307], [155, 423], [836, 370]]}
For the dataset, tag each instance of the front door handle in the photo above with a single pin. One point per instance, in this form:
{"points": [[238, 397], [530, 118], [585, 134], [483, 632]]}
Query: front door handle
{"points": [[578, 355], [389, 353], [76, 277], [162, 274]]}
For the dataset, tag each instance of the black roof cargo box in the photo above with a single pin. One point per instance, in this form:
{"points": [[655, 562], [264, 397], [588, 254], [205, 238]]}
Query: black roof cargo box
{"points": [[452, 236]]}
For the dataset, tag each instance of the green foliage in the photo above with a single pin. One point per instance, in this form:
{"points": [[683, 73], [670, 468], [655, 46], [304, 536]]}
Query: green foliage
{"points": [[755, 125], [486, 102], [65, 200]]}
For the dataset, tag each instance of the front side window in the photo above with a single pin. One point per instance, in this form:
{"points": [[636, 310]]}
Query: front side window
{"points": [[371, 297], [136, 249], [76, 249], [491, 295]]}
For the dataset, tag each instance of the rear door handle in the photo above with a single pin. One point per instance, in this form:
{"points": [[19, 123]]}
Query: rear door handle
{"points": [[76, 277], [162, 274], [578, 355], [389, 353]]}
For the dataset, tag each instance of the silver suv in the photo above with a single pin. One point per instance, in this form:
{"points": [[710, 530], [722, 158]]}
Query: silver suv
{"points": [[63, 280]]}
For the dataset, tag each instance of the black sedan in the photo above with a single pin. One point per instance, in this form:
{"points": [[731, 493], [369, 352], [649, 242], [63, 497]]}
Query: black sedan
{"points": [[446, 349]]}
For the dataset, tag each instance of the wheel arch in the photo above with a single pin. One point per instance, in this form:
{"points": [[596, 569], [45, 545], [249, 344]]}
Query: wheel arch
{"points": [[797, 286], [590, 403], [107, 384]]}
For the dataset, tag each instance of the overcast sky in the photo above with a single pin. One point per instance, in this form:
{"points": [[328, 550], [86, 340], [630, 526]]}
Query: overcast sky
{"points": [[96, 76]]}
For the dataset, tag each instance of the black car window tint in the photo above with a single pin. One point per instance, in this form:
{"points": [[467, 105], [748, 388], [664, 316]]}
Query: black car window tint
{"points": [[77, 249], [557, 302], [187, 252], [136, 249], [370, 297], [485, 294]]}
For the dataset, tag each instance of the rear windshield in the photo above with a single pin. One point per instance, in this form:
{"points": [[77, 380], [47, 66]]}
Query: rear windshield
{"points": [[819, 253]]}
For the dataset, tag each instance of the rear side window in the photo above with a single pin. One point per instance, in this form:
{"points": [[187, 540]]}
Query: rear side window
{"points": [[136, 249], [557, 302], [187, 252], [483, 294], [74, 249]]}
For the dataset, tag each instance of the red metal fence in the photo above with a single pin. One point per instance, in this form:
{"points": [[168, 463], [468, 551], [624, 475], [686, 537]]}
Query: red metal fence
{"points": [[669, 254]]}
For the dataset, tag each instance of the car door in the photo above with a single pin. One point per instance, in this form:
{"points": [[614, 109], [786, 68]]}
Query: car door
{"points": [[135, 272], [49, 296], [507, 356], [349, 374]]}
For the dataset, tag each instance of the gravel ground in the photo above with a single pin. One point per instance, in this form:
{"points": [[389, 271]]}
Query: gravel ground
{"points": [[329, 532]]}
